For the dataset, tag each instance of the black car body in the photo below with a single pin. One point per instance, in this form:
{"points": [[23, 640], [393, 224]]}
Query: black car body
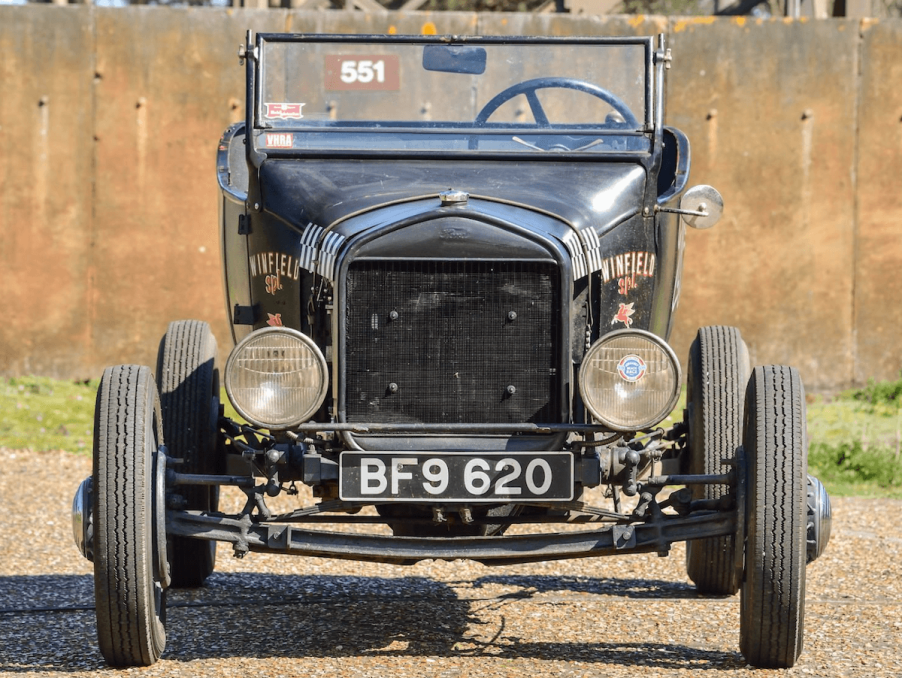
{"points": [[451, 268]]}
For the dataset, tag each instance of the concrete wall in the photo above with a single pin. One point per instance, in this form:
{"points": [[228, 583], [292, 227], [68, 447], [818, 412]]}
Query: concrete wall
{"points": [[108, 226]]}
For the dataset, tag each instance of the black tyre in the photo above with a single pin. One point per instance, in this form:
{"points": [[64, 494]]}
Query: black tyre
{"points": [[129, 550], [718, 375], [189, 395], [772, 607]]}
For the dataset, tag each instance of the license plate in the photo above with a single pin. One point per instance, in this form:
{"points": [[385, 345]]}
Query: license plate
{"points": [[455, 477]]}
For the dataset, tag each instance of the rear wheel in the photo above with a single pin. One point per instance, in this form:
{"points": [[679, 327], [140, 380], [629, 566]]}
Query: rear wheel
{"points": [[772, 607], [130, 571], [718, 374], [189, 395]]}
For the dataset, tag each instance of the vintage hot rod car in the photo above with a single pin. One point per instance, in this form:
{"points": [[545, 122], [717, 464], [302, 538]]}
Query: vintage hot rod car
{"points": [[451, 270]]}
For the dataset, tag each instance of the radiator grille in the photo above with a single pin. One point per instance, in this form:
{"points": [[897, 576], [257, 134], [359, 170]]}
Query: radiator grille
{"points": [[451, 342]]}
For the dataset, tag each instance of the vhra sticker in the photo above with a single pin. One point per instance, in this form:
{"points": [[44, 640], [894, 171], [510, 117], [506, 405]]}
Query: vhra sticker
{"points": [[279, 140]]}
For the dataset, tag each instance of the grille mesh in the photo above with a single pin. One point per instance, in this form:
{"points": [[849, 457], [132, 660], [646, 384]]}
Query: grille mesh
{"points": [[443, 342]]}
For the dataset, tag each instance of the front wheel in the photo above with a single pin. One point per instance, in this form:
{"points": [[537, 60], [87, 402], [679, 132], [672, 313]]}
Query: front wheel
{"points": [[772, 605], [188, 378], [718, 375], [130, 569]]}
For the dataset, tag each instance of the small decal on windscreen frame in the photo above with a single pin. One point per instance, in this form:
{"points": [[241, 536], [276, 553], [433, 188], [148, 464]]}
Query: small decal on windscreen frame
{"points": [[279, 140], [284, 111]]}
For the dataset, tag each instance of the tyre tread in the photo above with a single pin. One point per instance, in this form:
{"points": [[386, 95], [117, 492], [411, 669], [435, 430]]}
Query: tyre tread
{"points": [[129, 630], [186, 372], [773, 596], [721, 356]]}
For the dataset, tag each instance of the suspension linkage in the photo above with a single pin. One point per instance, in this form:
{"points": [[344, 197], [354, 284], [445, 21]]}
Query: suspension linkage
{"points": [[173, 478], [715, 479]]}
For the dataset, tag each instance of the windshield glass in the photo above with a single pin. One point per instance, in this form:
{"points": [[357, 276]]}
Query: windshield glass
{"points": [[475, 94]]}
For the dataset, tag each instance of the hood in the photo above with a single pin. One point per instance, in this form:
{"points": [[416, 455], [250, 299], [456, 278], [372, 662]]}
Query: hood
{"points": [[588, 195]]}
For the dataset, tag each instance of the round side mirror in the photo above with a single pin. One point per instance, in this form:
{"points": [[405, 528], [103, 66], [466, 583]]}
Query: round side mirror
{"points": [[701, 206]]}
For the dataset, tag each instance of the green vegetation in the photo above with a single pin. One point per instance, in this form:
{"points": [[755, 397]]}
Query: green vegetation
{"points": [[855, 437], [881, 394], [856, 440], [44, 414], [39, 413]]}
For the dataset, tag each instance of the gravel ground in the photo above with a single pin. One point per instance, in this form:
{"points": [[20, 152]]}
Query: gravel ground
{"points": [[282, 616]]}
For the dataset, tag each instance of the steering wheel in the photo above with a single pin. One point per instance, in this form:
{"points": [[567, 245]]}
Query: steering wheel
{"points": [[529, 87]]}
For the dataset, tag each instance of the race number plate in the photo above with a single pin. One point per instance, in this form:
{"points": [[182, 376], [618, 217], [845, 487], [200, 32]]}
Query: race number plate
{"points": [[362, 72], [456, 477]]}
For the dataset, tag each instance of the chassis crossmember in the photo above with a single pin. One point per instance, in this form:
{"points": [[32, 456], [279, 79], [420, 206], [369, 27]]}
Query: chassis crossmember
{"points": [[655, 535]]}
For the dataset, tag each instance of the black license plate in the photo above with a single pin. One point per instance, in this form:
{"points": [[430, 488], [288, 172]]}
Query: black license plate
{"points": [[456, 477]]}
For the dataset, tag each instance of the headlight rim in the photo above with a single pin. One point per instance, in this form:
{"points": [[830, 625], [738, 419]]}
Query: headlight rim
{"points": [[660, 343], [318, 355]]}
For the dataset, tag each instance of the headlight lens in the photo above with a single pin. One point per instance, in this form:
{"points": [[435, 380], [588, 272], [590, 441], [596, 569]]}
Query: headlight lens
{"points": [[630, 380], [276, 378]]}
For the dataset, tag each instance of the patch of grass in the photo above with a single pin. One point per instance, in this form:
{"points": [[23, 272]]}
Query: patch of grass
{"points": [[42, 414], [856, 440], [880, 394], [850, 465]]}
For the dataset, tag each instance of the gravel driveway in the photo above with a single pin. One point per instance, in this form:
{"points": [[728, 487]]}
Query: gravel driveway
{"points": [[282, 616]]}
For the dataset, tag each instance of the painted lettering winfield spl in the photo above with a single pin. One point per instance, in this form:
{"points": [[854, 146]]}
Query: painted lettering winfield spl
{"points": [[451, 269]]}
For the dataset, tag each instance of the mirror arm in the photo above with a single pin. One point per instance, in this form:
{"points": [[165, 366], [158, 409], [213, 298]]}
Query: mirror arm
{"points": [[703, 212]]}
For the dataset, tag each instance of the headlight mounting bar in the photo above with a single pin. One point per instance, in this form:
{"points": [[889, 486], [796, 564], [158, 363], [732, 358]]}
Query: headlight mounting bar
{"points": [[493, 428]]}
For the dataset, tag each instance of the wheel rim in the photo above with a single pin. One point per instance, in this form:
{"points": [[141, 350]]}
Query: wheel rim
{"points": [[159, 514]]}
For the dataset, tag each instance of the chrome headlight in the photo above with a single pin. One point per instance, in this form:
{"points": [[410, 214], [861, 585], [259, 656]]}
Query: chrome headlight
{"points": [[276, 378], [630, 380]]}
